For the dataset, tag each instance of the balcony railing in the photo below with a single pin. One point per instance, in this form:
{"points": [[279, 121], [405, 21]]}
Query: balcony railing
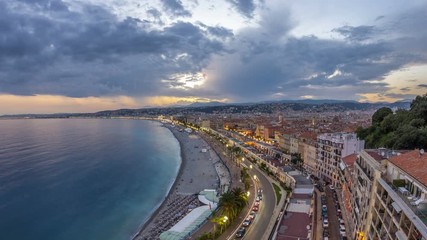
{"points": [[422, 215], [365, 170]]}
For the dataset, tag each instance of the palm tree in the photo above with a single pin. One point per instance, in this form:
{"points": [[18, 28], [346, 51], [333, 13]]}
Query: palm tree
{"points": [[217, 220], [241, 197], [228, 204]]}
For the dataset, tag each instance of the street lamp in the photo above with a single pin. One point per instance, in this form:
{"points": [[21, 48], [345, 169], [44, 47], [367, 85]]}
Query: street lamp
{"points": [[250, 166], [248, 193]]}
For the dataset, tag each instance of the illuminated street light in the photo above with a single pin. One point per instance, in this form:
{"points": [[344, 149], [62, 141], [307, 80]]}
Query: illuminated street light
{"points": [[248, 193], [250, 166]]}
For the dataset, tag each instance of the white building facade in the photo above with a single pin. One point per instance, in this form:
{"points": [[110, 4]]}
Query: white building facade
{"points": [[331, 148]]}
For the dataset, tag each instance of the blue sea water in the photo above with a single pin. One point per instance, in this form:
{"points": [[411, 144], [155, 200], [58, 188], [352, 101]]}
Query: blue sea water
{"points": [[66, 179]]}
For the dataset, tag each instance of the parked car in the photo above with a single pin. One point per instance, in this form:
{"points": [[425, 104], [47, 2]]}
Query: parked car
{"points": [[255, 208], [247, 221], [325, 232], [325, 223], [252, 215], [324, 215], [258, 199], [324, 208], [241, 232]]}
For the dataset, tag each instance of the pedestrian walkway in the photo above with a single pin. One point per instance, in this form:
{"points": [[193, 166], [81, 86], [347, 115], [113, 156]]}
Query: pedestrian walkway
{"points": [[229, 177]]}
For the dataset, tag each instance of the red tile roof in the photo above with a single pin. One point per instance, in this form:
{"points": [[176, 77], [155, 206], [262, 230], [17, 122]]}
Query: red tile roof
{"points": [[350, 159], [413, 163], [374, 154]]}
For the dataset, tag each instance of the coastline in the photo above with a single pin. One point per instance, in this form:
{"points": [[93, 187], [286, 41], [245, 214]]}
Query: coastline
{"points": [[190, 150], [162, 205]]}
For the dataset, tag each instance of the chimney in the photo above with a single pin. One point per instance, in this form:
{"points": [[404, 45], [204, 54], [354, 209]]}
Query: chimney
{"points": [[421, 152]]}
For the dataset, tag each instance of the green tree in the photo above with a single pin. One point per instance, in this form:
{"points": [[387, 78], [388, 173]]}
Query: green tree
{"points": [[380, 114], [406, 129], [228, 205], [419, 107], [241, 197]]}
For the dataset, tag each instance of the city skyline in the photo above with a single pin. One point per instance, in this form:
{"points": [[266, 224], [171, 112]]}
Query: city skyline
{"points": [[67, 56]]}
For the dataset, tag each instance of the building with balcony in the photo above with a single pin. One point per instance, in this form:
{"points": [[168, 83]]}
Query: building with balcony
{"points": [[331, 148], [389, 195], [367, 170]]}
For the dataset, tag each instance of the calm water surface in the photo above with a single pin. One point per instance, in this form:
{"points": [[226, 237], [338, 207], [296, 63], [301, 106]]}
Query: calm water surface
{"points": [[82, 178]]}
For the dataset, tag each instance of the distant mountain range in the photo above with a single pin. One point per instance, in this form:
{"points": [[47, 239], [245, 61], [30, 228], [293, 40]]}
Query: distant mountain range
{"points": [[206, 104], [311, 105]]}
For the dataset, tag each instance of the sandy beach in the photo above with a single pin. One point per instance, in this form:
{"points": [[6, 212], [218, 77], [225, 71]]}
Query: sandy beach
{"points": [[200, 169]]}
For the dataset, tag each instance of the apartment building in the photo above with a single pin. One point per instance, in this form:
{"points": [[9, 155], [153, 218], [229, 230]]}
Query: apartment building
{"points": [[367, 169], [347, 191], [331, 148], [388, 191], [400, 207], [293, 144], [309, 156]]}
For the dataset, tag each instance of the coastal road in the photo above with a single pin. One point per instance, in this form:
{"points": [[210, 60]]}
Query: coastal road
{"points": [[262, 219]]}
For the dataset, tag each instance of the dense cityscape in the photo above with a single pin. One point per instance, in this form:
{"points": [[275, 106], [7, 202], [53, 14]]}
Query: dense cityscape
{"points": [[358, 193]]}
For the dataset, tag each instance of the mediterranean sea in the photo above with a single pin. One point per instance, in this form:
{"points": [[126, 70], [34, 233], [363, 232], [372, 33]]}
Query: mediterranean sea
{"points": [[68, 179]]}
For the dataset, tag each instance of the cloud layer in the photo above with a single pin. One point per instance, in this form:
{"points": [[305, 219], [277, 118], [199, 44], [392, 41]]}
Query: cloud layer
{"points": [[78, 49]]}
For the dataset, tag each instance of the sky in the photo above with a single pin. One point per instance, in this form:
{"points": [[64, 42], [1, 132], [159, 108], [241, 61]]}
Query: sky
{"points": [[85, 56]]}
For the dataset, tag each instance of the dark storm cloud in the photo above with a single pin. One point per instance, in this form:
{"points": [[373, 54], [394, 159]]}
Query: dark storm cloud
{"points": [[259, 69], [422, 85], [405, 89], [411, 32], [244, 7], [262, 65], [91, 52], [156, 16], [175, 7], [217, 31], [358, 33], [221, 32]]}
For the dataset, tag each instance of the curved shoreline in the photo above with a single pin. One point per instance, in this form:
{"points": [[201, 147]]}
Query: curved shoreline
{"points": [[203, 176], [161, 205]]}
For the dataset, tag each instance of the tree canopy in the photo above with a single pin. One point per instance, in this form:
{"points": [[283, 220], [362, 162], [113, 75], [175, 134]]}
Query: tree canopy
{"points": [[403, 129]]}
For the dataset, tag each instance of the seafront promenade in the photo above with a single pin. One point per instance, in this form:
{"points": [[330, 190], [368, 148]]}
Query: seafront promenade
{"points": [[201, 169]]}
